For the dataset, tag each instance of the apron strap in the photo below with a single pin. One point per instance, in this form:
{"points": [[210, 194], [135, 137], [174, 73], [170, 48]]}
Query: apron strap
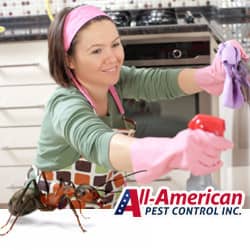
{"points": [[85, 93], [81, 89], [117, 99]]}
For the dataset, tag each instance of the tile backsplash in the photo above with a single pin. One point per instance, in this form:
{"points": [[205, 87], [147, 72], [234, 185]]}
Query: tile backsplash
{"points": [[10, 8]]}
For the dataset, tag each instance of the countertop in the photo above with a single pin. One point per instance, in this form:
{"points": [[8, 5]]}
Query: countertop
{"points": [[59, 230], [232, 28], [36, 28], [24, 28], [225, 24]]}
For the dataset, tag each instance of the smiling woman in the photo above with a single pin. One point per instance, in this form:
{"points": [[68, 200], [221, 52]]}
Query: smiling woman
{"points": [[85, 139]]}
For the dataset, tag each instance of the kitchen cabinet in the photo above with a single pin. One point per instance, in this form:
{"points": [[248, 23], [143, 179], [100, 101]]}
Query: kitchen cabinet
{"points": [[25, 85], [24, 63], [235, 174], [237, 130], [12, 179]]}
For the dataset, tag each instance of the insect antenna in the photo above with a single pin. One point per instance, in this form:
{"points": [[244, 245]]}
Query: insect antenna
{"points": [[11, 226], [6, 222], [127, 175], [118, 178]]}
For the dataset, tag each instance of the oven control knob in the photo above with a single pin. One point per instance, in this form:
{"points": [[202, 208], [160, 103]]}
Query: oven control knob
{"points": [[177, 53]]}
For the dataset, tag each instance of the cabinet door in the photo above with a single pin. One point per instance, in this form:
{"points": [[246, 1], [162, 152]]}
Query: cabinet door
{"points": [[26, 97], [14, 118], [238, 131], [12, 179], [18, 145], [25, 86], [24, 63], [235, 173]]}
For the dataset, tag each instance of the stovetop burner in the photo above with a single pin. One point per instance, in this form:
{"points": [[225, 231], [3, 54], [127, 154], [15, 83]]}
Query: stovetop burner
{"points": [[129, 22], [156, 17], [120, 18]]}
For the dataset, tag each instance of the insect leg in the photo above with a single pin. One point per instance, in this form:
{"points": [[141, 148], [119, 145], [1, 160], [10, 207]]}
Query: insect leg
{"points": [[76, 214]]}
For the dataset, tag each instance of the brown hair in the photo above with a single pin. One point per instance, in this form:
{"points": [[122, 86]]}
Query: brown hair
{"points": [[56, 55]]}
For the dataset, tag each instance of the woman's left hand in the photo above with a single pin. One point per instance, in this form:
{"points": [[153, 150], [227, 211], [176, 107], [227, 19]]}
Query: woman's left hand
{"points": [[212, 78]]}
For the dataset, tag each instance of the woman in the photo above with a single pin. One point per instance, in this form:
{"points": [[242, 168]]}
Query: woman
{"points": [[85, 137]]}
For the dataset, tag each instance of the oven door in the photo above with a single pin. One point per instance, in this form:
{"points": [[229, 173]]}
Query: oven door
{"points": [[168, 117], [167, 49]]}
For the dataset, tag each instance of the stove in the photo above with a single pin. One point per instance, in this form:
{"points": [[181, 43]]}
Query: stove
{"points": [[129, 22], [156, 17], [163, 37]]}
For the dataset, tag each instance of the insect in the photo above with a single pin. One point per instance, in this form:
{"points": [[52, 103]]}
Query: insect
{"points": [[27, 200]]}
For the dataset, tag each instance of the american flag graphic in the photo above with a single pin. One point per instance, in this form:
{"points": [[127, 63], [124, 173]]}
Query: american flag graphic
{"points": [[123, 203], [129, 195]]}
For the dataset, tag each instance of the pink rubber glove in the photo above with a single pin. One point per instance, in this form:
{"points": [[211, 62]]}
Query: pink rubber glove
{"points": [[212, 78], [194, 150]]}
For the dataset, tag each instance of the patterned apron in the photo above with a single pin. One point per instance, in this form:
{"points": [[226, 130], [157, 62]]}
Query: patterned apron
{"points": [[108, 182]]}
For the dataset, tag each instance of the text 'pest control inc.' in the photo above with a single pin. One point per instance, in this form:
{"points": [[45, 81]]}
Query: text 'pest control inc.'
{"points": [[140, 201]]}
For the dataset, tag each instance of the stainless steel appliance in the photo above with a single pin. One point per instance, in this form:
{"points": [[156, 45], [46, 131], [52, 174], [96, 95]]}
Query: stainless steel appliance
{"points": [[172, 50], [166, 38]]}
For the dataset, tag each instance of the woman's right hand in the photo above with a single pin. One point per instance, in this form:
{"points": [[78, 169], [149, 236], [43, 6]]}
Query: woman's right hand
{"points": [[194, 150]]}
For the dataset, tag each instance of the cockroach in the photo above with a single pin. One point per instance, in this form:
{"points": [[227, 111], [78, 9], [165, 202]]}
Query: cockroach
{"points": [[27, 199]]}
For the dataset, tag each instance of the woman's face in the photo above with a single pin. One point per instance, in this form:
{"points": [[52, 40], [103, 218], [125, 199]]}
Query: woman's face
{"points": [[98, 55]]}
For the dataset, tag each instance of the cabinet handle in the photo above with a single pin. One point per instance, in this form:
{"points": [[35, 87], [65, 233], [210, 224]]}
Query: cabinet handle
{"points": [[26, 85], [22, 126], [215, 50], [16, 166], [7, 148], [22, 107], [19, 65], [167, 178], [12, 186]]}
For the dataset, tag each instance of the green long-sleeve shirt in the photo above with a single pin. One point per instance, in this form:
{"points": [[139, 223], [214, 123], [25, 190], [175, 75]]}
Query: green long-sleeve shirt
{"points": [[71, 128]]}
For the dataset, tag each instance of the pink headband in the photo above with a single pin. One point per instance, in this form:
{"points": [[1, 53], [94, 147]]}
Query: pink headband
{"points": [[75, 19]]}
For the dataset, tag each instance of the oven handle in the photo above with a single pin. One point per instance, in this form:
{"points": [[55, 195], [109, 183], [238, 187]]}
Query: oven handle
{"points": [[197, 60], [164, 38]]}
